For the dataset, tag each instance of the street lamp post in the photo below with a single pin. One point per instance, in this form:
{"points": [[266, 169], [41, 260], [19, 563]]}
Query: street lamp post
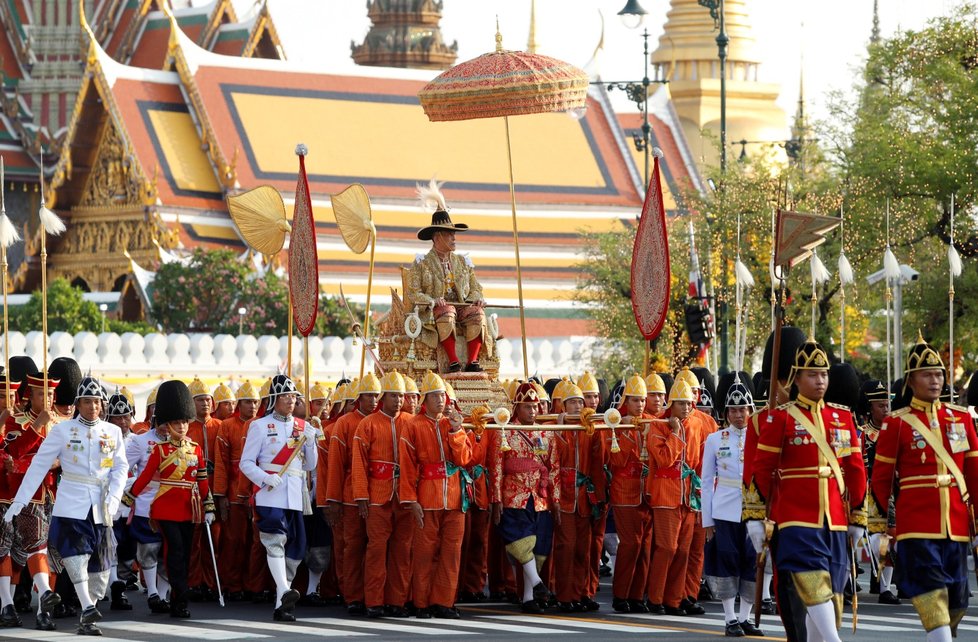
{"points": [[103, 308], [241, 312]]}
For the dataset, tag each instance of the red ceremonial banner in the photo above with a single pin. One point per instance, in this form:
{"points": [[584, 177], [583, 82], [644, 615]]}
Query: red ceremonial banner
{"points": [[650, 263], [303, 257]]}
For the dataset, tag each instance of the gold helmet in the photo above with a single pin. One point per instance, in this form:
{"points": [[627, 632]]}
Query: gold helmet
{"points": [[588, 384], [635, 387], [247, 391], [541, 392], [558, 391], [571, 391], [689, 377], [266, 389], [681, 391], [369, 384], [151, 400], [318, 391], [198, 389], [411, 386], [127, 393], [222, 393], [922, 356], [393, 381], [450, 392], [811, 356], [654, 383], [432, 383]]}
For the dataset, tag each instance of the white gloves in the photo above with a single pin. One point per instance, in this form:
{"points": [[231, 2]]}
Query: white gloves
{"points": [[13, 511], [856, 533], [755, 532], [310, 433], [209, 518], [271, 481], [113, 508]]}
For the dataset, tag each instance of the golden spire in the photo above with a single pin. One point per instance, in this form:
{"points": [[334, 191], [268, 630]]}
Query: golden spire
{"points": [[531, 41]]}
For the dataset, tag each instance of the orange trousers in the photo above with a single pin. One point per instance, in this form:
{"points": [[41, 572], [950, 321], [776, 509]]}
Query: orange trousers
{"points": [[201, 564], [633, 524], [572, 552], [499, 568], [354, 550], [387, 561], [232, 559], [258, 579], [475, 550], [437, 555], [694, 567], [672, 533], [597, 546], [339, 543]]}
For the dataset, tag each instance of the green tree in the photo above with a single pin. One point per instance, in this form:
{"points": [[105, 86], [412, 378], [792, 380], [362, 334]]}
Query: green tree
{"points": [[67, 311]]}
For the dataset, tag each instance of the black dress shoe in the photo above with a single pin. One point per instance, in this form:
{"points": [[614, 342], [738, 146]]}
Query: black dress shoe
{"points": [[604, 571], [289, 599], [312, 599], [90, 615], [887, 597], [179, 609], [423, 613], [43, 622], [375, 611], [444, 612], [540, 591], [531, 606], [454, 366], [64, 610], [566, 607], [674, 610], [620, 605], [733, 630], [119, 600], [473, 367], [283, 615], [589, 604], [637, 606], [749, 629], [691, 607], [768, 607], [88, 629], [395, 611], [655, 609], [9, 617], [468, 597], [49, 600], [706, 594], [355, 608], [157, 604]]}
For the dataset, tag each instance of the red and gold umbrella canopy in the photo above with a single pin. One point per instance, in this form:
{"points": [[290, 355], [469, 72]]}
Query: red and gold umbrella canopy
{"points": [[503, 84]]}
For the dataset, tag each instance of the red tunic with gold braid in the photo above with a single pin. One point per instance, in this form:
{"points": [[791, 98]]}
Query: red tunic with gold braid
{"points": [[794, 476], [22, 441], [183, 494], [929, 504]]}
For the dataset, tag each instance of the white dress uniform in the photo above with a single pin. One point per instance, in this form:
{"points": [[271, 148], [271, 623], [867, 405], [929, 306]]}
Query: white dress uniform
{"points": [[266, 438], [137, 452], [723, 469]]}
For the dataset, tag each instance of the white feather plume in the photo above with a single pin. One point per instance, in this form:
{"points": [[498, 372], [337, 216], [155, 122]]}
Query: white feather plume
{"points": [[744, 278], [820, 274], [8, 233], [891, 267], [954, 260], [846, 275], [50, 221], [430, 195], [771, 273]]}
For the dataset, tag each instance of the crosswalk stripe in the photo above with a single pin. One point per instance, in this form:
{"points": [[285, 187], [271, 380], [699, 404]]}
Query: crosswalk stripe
{"points": [[581, 624], [286, 627], [770, 619], [177, 630], [49, 636], [497, 626], [380, 625]]}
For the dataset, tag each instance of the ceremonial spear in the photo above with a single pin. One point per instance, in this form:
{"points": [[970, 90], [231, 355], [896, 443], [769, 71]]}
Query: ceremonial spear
{"points": [[50, 224], [8, 236]]}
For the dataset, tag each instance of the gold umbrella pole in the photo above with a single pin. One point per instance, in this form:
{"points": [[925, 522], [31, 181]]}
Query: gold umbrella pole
{"points": [[366, 314], [288, 352], [516, 243], [6, 332]]}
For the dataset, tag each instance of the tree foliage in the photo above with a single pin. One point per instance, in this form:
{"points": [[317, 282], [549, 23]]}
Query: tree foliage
{"points": [[68, 311]]}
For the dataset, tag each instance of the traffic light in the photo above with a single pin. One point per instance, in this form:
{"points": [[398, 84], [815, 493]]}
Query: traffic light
{"points": [[699, 324]]}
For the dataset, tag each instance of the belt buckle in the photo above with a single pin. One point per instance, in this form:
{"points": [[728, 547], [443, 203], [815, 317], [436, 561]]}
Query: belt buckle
{"points": [[824, 472], [943, 481]]}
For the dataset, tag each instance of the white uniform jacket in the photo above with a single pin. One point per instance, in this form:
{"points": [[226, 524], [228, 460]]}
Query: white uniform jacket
{"points": [[93, 469], [267, 436], [723, 469], [137, 452]]}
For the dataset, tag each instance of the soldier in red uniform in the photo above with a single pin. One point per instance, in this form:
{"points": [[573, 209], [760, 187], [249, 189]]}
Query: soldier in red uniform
{"points": [[809, 467], [183, 499], [930, 451]]}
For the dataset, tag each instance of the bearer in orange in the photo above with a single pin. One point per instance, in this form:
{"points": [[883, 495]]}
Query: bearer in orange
{"points": [[203, 431], [433, 486], [390, 527]]}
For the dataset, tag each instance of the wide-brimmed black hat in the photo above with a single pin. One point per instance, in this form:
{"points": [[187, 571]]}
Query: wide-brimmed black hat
{"points": [[173, 402], [440, 220]]}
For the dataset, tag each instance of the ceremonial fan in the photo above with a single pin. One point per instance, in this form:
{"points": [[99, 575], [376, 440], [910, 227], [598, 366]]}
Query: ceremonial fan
{"points": [[506, 83]]}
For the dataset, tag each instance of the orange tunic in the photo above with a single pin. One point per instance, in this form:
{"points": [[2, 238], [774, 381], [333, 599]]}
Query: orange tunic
{"points": [[629, 467], [374, 468], [227, 456], [140, 427], [669, 452], [205, 435], [517, 474], [339, 484], [322, 463], [578, 452], [430, 457], [478, 472]]}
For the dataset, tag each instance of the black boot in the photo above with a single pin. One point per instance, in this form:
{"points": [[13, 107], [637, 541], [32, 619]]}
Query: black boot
{"points": [[119, 600]]}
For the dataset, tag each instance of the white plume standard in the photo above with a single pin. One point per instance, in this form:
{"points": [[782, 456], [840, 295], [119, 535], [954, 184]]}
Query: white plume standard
{"points": [[820, 273], [954, 260], [50, 221], [744, 278], [430, 195], [8, 233], [846, 275], [891, 267]]}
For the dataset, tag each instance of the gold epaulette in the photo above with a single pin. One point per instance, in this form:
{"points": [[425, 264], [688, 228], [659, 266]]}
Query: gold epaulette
{"points": [[900, 412], [839, 406], [785, 406], [954, 406]]}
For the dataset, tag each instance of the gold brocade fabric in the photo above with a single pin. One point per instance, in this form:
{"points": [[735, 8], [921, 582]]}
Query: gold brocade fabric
{"points": [[932, 607], [753, 504], [814, 587], [522, 549]]}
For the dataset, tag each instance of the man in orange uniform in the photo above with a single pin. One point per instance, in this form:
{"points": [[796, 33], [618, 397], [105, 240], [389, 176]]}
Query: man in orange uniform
{"points": [[203, 431], [433, 454], [332, 585], [339, 493], [141, 427], [475, 543], [232, 559], [592, 399], [931, 448], [390, 527], [628, 463], [807, 464], [319, 539], [412, 398], [523, 470], [224, 402], [579, 488]]}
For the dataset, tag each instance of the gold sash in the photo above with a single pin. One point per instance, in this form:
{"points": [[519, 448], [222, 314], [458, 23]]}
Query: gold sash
{"points": [[818, 437], [937, 445]]}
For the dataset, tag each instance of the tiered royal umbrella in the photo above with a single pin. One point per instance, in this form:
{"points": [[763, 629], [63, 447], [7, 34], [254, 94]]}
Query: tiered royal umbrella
{"points": [[503, 84]]}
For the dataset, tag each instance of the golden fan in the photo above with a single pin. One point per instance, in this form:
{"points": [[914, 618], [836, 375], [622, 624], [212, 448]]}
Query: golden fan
{"points": [[351, 207], [260, 216]]}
